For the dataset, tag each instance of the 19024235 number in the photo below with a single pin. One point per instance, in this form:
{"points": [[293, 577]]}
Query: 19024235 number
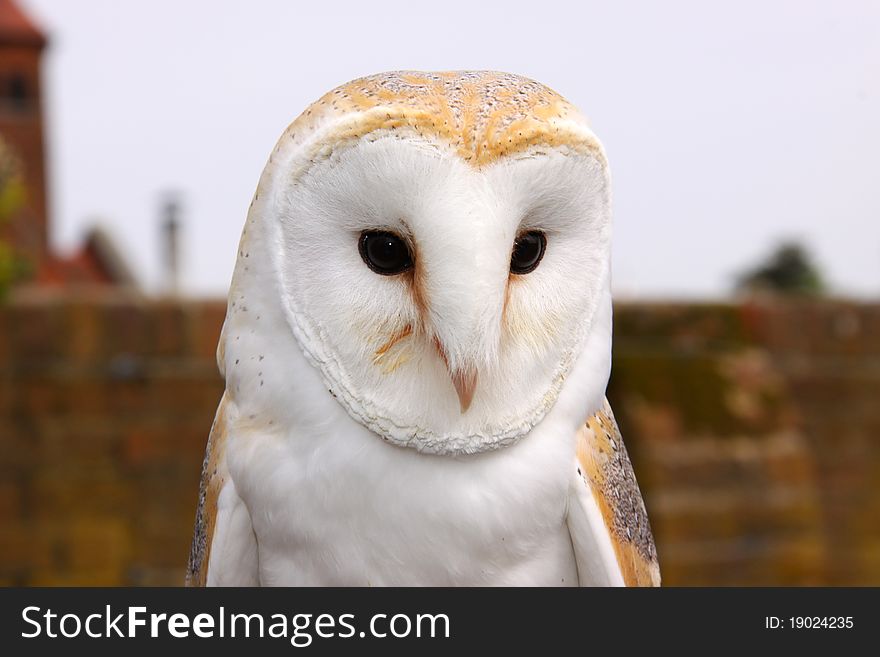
{"points": [[821, 622]]}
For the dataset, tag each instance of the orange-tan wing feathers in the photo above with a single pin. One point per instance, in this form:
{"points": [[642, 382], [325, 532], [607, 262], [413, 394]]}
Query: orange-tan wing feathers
{"points": [[214, 476], [604, 466]]}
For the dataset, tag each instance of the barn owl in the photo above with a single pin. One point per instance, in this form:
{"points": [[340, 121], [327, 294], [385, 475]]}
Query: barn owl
{"points": [[416, 349]]}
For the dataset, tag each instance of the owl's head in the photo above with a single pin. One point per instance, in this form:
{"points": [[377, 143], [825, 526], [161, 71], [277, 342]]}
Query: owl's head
{"points": [[437, 247]]}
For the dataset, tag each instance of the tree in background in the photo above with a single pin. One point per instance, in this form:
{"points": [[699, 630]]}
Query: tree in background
{"points": [[11, 199], [788, 271]]}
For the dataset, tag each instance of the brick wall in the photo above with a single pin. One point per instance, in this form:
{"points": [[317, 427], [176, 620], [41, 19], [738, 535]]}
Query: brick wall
{"points": [[105, 405], [754, 430]]}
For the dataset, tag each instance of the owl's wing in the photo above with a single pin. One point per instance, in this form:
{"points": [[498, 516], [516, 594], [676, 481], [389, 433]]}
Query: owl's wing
{"points": [[609, 527], [224, 547]]}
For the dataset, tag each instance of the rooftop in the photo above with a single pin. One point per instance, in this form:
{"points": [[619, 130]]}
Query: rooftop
{"points": [[16, 28]]}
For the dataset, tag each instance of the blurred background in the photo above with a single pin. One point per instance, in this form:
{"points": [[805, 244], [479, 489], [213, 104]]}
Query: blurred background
{"points": [[743, 141]]}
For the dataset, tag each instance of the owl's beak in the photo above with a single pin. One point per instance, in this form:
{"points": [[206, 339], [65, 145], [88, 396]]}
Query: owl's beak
{"points": [[460, 288], [465, 384], [464, 381]]}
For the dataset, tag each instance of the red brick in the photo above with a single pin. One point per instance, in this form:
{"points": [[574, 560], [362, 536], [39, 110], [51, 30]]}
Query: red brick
{"points": [[170, 334], [37, 333], [85, 332], [11, 505], [206, 321]]}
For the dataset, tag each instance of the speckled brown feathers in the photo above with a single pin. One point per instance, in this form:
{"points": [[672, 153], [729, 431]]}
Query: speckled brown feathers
{"points": [[482, 115], [214, 475], [605, 465]]}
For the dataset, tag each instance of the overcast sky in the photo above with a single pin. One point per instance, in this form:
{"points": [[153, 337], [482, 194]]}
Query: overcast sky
{"points": [[727, 127]]}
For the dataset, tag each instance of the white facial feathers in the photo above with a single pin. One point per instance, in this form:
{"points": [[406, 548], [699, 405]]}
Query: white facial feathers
{"points": [[403, 353]]}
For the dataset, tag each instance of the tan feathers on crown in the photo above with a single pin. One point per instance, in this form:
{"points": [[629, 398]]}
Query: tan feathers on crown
{"points": [[483, 115]]}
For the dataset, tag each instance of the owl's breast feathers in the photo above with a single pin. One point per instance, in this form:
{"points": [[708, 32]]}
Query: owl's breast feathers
{"points": [[604, 464]]}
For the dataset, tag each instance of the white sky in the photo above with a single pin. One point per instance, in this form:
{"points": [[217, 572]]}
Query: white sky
{"points": [[727, 127]]}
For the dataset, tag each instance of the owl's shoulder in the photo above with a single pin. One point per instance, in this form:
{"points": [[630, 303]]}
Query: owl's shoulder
{"points": [[604, 464], [214, 476]]}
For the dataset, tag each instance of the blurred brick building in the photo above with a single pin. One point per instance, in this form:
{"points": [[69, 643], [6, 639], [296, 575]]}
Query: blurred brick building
{"points": [[97, 261], [755, 430]]}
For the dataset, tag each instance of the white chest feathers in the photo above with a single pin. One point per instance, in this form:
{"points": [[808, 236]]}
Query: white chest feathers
{"points": [[342, 508]]}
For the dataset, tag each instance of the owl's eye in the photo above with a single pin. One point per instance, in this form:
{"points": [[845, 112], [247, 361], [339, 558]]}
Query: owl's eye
{"points": [[385, 253], [528, 249]]}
